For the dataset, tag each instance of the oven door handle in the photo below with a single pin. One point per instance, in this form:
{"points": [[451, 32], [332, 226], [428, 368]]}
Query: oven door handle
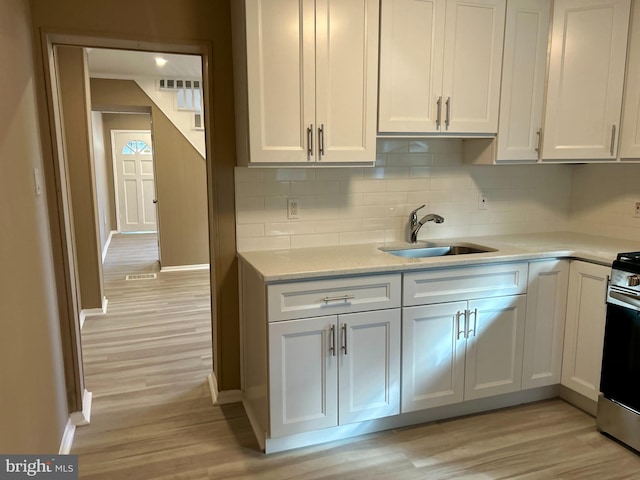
{"points": [[630, 299]]}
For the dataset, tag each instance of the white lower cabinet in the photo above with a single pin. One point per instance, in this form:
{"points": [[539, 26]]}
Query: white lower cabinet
{"points": [[461, 351], [584, 330], [544, 330], [333, 370]]}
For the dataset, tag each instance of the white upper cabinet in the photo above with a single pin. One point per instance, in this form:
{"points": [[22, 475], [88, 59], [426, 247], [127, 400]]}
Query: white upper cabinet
{"points": [[630, 130], [524, 68], [586, 76], [311, 73], [440, 63]]}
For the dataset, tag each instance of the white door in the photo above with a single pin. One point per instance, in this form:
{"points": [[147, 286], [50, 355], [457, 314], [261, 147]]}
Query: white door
{"points": [[584, 329], [524, 69], [586, 77], [630, 128], [303, 375], [433, 346], [494, 347], [474, 31], [369, 372], [134, 178]]}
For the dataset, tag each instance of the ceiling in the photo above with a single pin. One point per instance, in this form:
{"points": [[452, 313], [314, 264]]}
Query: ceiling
{"points": [[108, 63]]}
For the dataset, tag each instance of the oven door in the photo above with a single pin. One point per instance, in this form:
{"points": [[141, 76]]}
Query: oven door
{"points": [[620, 381]]}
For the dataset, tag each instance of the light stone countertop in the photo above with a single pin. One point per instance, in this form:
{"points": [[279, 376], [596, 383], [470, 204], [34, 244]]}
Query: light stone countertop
{"points": [[317, 262]]}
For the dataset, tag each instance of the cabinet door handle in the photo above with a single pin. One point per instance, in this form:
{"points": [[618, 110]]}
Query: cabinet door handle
{"points": [[539, 134], [321, 141], [310, 141], [344, 338], [475, 319], [613, 139], [339, 298], [438, 112], [447, 118], [458, 315], [332, 341]]}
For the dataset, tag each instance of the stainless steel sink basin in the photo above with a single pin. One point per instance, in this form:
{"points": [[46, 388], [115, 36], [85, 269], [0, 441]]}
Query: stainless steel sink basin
{"points": [[434, 250]]}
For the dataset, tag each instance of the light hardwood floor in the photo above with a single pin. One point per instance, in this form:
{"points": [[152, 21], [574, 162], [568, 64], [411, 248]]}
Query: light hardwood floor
{"points": [[146, 364]]}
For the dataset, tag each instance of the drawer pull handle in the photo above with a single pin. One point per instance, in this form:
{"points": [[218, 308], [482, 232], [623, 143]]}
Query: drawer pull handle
{"points": [[458, 315], [475, 319], [339, 298]]}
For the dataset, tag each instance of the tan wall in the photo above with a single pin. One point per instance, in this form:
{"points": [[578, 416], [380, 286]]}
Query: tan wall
{"points": [[100, 168], [33, 403], [119, 121], [180, 175], [207, 23], [74, 97]]}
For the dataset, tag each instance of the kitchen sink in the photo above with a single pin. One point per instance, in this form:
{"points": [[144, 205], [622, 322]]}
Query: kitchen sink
{"points": [[435, 250]]}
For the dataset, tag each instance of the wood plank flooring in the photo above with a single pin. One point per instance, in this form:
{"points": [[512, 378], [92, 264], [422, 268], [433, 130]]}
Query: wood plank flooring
{"points": [[146, 363]]}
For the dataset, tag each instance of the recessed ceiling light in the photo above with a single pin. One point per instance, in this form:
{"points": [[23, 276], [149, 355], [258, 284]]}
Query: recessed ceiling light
{"points": [[160, 61]]}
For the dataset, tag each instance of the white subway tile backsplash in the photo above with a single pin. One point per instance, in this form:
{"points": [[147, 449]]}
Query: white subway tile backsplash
{"points": [[369, 205]]}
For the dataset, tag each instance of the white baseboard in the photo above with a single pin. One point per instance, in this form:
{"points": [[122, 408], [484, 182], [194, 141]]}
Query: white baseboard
{"points": [[185, 268], [83, 417], [67, 438], [106, 245], [224, 397], [93, 312]]}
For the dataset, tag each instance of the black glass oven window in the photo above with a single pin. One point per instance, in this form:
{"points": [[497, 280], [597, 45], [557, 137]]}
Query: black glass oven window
{"points": [[621, 357]]}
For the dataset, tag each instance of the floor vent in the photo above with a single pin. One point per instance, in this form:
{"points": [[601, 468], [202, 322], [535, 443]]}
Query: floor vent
{"points": [[142, 276]]}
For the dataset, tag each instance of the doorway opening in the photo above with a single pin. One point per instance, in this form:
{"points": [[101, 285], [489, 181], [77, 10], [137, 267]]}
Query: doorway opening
{"points": [[155, 182]]}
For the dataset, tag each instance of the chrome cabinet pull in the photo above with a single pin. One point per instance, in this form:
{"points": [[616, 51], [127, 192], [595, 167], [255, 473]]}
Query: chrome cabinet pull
{"points": [[539, 134], [439, 112], [613, 138], [344, 338], [458, 315], [310, 141], [332, 333], [339, 298], [475, 319], [321, 141], [447, 118]]}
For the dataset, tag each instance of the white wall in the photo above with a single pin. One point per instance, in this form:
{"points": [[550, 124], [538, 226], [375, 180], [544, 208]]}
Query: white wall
{"points": [[102, 164], [603, 200], [371, 205]]}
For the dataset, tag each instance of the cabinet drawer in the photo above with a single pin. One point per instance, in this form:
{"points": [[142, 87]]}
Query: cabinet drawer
{"points": [[314, 298], [465, 283]]}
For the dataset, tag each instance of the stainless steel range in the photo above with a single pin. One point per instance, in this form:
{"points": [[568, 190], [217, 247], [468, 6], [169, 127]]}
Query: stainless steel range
{"points": [[619, 402]]}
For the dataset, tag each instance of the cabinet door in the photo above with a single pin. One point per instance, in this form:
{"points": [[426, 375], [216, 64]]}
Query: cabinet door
{"points": [[544, 330], [433, 345], [346, 80], [369, 372], [303, 375], [281, 78], [411, 49], [524, 70], [630, 128], [494, 346], [584, 330], [474, 31], [586, 75]]}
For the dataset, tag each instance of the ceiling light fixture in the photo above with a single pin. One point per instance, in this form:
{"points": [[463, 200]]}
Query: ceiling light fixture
{"points": [[160, 61]]}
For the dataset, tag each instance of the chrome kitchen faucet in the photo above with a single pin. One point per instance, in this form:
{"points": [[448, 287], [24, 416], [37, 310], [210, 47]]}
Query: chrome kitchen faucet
{"points": [[415, 225]]}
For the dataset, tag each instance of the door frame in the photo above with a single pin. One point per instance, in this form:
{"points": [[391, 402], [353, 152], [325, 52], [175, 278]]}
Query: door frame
{"points": [[115, 174], [58, 195]]}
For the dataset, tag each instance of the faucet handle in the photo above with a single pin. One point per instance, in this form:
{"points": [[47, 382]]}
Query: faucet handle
{"points": [[413, 215]]}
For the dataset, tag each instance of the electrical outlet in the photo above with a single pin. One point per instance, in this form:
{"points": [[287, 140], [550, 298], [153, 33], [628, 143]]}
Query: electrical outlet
{"points": [[293, 212], [637, 210], [482, 202]]}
